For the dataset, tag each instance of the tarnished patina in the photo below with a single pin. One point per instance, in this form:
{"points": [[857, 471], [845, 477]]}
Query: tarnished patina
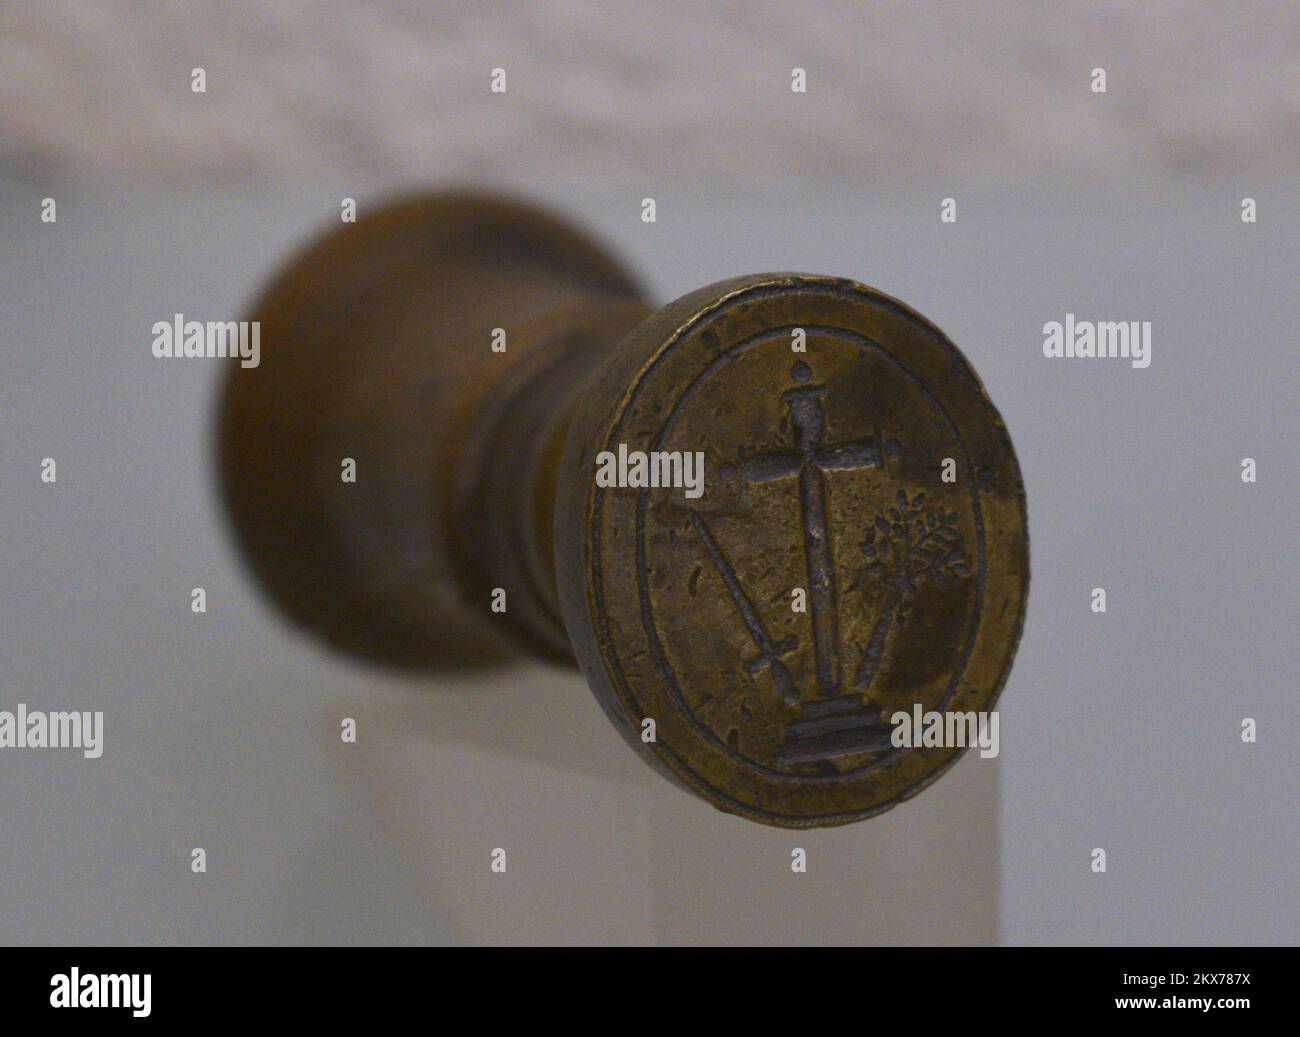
{"points": [[859, 547], [825, 489]]}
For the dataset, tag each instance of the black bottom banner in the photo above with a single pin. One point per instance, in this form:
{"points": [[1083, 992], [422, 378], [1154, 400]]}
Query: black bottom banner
{"points": [[146, 986]]}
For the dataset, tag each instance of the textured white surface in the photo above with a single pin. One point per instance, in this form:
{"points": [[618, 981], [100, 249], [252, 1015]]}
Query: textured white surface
{"points": [[684, 93]]}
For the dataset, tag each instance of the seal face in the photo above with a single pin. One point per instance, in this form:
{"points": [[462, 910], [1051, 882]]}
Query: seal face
{"points": [[859, 549]]}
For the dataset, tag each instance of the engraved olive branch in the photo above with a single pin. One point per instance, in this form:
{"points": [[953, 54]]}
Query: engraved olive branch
{"points": [[906, 549]]}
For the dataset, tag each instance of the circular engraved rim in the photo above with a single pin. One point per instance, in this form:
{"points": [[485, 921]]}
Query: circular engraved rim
{"points": [[647, 609], [856, 792]]}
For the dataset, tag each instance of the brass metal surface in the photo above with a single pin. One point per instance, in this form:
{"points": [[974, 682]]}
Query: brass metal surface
{"points": [[824, 477], [375, 347], [825, 474]]}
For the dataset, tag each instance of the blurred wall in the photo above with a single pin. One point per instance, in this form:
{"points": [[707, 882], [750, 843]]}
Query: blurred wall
{"points": [[680, 93]]}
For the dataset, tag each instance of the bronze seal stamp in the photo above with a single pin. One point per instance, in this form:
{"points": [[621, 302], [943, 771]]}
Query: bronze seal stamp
{"points": [[825, 475], [850, 541]]}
